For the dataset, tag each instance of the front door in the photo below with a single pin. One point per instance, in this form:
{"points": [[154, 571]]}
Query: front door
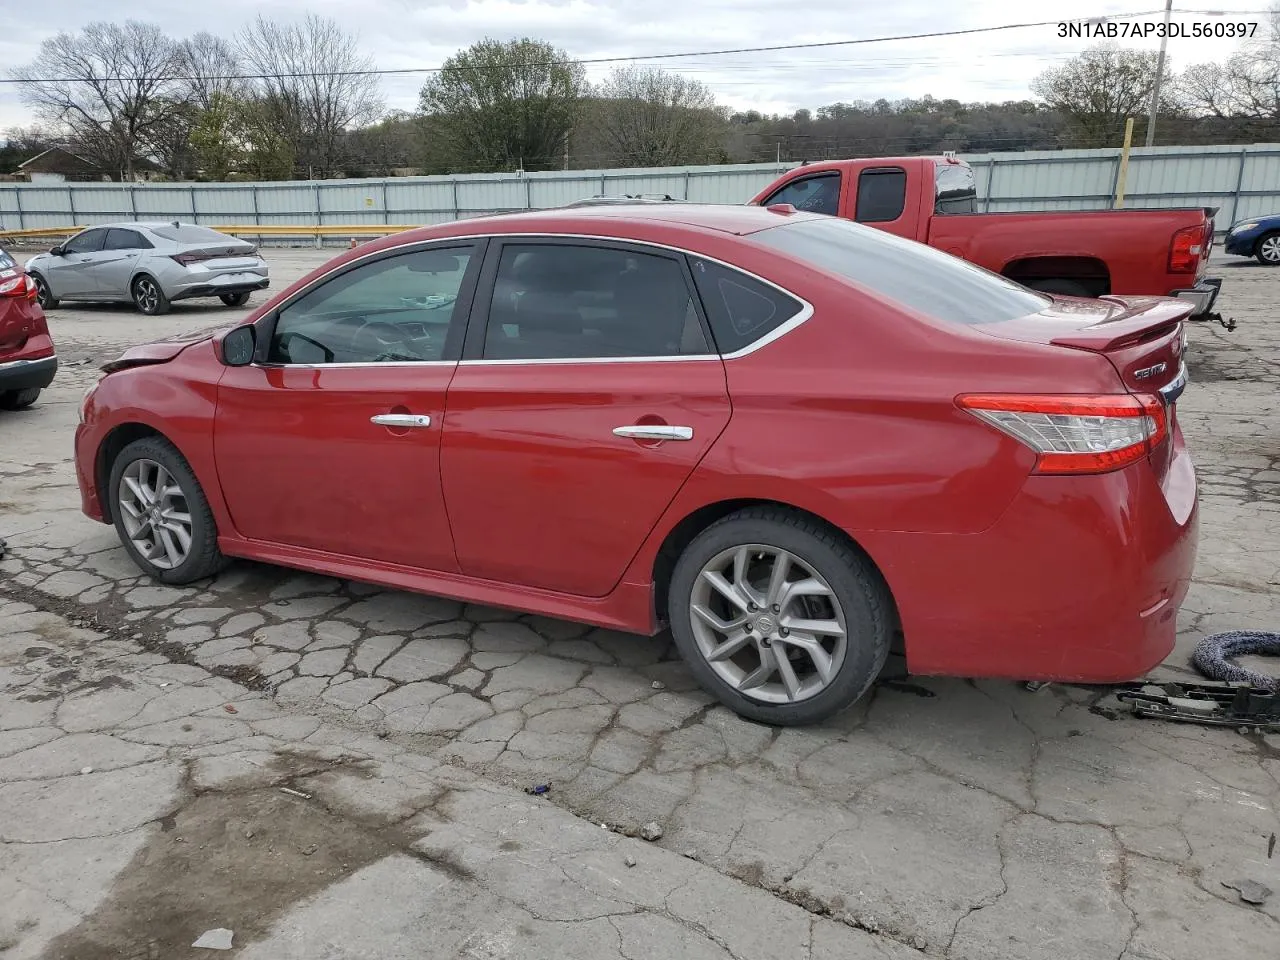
{"points": [[71, 274], [332, 441], [590, 395], [113, 268]]}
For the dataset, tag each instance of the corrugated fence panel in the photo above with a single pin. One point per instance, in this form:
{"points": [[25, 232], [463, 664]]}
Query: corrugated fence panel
{"points": [[1240, 181]]}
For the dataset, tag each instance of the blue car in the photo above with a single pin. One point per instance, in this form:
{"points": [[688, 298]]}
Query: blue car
{"points": [[1256, 237]]}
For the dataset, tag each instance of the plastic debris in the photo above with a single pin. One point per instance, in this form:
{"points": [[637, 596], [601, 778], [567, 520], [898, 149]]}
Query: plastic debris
{"points": [[295, 793], [651, 831], [229, 708], [538, 790], [1251, 891], [86, 769], [658, 685], [217, 939], [629, 860]]}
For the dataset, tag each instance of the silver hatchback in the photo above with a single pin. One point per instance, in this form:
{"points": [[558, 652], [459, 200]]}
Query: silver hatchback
{"points": [[150, 264]]}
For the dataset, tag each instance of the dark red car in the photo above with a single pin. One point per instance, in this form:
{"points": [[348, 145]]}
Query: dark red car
{"points": [[28, 360], [796, 440]]}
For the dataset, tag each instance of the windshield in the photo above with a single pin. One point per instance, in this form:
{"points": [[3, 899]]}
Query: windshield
{"points": [[956, 190], [934, 283]]}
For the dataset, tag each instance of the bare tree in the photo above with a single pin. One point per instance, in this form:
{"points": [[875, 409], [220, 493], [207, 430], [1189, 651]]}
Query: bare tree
{"points": [[212, 71], [107, 89], [314, 85], [1097, 90], [1244, 88], [650, 117]]}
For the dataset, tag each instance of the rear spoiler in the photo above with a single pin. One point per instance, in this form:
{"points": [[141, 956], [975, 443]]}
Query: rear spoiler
{"points": [[1140, 318]]}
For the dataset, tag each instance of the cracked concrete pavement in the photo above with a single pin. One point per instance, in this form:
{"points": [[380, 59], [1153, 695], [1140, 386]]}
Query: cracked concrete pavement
{"points": [[965, 819]]}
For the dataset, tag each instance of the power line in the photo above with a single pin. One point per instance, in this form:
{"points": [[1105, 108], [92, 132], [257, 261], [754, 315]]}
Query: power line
{"points": [[592, 61]]}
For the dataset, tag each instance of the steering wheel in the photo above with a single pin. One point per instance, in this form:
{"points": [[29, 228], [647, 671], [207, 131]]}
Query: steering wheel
{"points": [[381, 339]]}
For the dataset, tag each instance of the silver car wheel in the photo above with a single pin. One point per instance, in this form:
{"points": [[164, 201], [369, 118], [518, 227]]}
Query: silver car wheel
{"points": [[155, 514], [768, 623], [147, 294], [1270, 249], [43, 296]]}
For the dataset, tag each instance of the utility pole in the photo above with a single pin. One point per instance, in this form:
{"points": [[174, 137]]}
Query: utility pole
{"points": [[1155, 89], [566, 151]]}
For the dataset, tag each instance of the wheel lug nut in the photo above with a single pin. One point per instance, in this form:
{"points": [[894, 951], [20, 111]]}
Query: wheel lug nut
{"points": [[785, 632], [752, 607], [776, 608]]}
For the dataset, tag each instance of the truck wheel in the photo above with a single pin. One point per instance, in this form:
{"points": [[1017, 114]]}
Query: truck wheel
{"points": [[1068, 288], [1268, 249]]}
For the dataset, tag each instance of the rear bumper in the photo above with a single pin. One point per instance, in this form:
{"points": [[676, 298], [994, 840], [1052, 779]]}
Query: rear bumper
{"points": [[28, 373], [218, 286], [1080, 581], [1203, 295]]}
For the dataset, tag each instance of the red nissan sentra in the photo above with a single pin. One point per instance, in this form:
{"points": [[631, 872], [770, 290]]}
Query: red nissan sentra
{"points": [[795, 440], [28, 360]]}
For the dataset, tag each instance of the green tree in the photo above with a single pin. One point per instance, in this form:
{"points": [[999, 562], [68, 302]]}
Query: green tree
{"points": [[497, 106], [218, 137]]}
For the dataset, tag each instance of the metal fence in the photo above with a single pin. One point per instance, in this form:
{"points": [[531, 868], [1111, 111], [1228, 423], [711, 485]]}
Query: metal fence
{"points": [[1242, 181]]}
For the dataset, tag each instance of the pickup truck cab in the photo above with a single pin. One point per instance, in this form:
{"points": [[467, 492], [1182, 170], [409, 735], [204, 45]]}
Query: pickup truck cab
{"points": [[1087, 253]]}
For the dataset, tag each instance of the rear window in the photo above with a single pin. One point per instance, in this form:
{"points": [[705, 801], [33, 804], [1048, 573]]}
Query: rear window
{"points": [[957, 192], [934, 283], [190, 233], [6, 261]]}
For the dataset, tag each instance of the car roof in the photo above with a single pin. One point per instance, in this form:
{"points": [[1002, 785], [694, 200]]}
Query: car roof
{"points": [[143, 225], [737, 219]]}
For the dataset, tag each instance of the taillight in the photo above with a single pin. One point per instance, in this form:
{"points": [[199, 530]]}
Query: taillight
{"points": [[1188, 245], [21, 286], [186, 259], [1076, 434]]}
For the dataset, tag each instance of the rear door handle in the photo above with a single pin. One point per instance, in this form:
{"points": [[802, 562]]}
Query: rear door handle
{"points": [[654, 431], [401, 420]]}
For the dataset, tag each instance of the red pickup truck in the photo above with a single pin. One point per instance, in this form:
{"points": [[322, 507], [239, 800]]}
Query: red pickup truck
{"points": [[1160, 252]]}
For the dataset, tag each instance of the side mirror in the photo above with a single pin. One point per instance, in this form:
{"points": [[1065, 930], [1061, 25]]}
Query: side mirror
{"points": [[239, 345], [57, 251]]}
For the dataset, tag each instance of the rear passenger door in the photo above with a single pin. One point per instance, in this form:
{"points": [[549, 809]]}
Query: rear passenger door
{"points": [[587, 393], [113, 268], [881, 201]]}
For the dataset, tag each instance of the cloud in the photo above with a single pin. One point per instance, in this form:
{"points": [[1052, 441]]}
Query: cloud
{"points": [[418, 33]]}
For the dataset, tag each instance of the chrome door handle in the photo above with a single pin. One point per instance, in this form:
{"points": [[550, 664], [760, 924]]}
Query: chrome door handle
{"points": [[654, 431], [401, 420]]}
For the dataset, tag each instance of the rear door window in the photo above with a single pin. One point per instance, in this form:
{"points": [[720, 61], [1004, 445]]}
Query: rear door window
{"points": [[916, 276], [882, 195]]}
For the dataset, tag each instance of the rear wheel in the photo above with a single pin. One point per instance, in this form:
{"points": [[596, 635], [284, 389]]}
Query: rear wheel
{"points": [[148, 297], [18, 399], [161, 514], [234, 299], [44, 296], [1068, 288], [1267, 249], [779, 617]]}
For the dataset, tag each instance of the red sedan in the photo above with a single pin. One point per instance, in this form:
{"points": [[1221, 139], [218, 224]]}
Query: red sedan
{"points": [[795, 440], [28, 360]]}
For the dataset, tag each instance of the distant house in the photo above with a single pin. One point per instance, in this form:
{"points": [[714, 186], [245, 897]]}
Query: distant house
{"points": [[58, 164]]}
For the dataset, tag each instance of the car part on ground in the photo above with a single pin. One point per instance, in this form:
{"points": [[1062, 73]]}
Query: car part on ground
{"points": [[149, 264], [1239, 705], [1214, 654], [656, 413]]}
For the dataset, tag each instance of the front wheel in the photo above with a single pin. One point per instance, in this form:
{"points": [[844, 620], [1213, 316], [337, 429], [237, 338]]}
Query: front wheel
{"points": [[148, 297], [44, 296], [1268, 250], [161, 514], [779, 617], [234, 299], [18, 399]]}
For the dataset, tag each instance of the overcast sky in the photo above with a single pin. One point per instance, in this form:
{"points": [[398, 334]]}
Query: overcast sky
{"points": [[422, 33]]}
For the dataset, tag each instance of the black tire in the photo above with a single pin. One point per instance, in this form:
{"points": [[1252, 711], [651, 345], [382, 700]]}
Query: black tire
{"points": [[853, 579], [235, 299], [1068, 288], [148, 296], [1270, 257], [204, 558], [44, 296], [18, 399]]}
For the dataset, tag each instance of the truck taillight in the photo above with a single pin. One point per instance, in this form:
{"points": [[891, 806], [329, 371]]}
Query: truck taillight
{"points": [[1188, 245], [1074, 434]]}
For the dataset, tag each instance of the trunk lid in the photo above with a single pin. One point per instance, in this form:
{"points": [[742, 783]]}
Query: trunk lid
{"points": [[1141, 336]]}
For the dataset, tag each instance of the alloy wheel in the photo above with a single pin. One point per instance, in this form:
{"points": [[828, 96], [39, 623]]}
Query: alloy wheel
{"points": [[155, 514], [768, 623], [1270, 249], [42, 291], [147, 295]]}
